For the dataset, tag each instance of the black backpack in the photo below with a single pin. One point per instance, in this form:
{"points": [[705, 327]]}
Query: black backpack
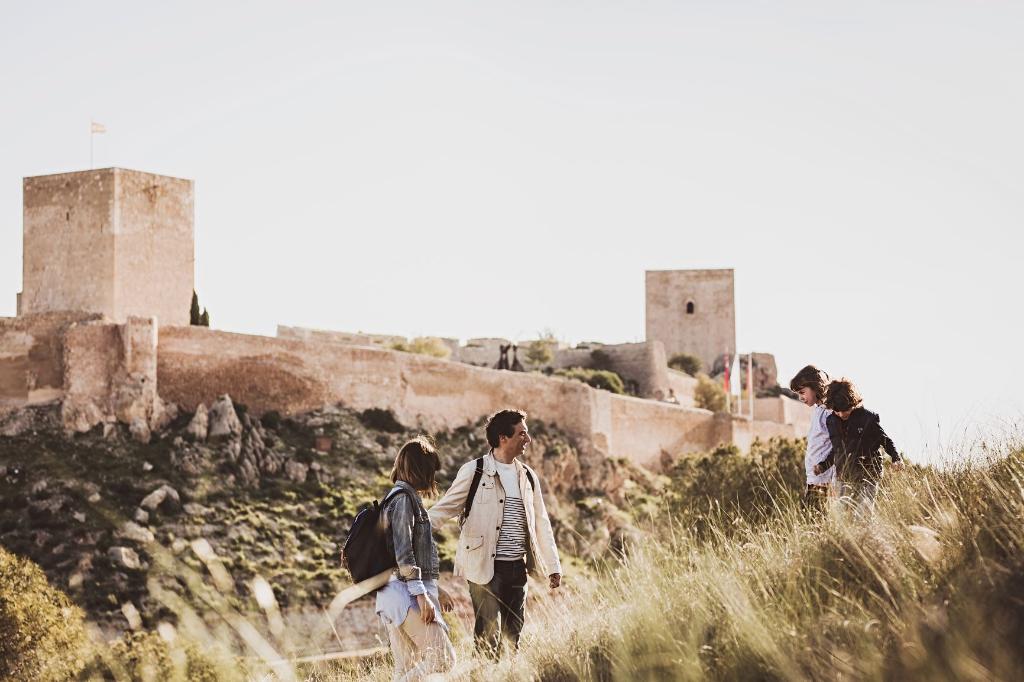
{"points": [[367, 552]]}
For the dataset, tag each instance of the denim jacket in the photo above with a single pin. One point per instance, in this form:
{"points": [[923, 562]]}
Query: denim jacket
{"points": [[411, 539]]}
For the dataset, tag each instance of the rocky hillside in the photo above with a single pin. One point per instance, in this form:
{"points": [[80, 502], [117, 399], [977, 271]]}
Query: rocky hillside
{"points": [[271, 497]]}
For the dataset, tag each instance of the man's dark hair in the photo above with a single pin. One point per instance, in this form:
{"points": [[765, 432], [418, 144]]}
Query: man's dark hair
{"points": [[810, 377], [841, 395], [503, 423]]}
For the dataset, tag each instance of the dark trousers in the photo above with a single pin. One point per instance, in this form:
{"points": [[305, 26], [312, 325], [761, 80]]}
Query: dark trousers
{"points": [[500, 607]]}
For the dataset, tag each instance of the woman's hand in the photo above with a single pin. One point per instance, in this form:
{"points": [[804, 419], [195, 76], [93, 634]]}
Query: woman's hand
{"points": [[427, 614], [445, 599]]}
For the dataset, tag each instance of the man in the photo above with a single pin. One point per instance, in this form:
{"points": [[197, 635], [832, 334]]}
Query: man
{"points": [[505, 533]]}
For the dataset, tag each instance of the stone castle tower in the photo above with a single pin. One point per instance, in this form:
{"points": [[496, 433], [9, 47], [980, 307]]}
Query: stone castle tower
{"points": [[111, 241], [692, 311]]}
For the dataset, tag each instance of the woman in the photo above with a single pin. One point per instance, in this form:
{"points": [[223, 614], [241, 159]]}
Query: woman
{"points": [[409, 605]]}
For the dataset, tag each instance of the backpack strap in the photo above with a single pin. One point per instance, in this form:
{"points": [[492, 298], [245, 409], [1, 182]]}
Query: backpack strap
{"points": [[477, 475], [395, 492], [529, 476]]}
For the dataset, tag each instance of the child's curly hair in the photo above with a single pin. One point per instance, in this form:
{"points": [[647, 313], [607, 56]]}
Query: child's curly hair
{"points": [[841, 395], [810, 377]]}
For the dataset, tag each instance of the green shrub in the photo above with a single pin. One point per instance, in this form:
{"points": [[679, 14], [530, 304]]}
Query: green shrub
{"points": [[271, 419], [727, 484], [424, 345], [42, 634], [600, 359], [598, 378], [541, 351], [709, 394], [684, 362], [380, 420]]}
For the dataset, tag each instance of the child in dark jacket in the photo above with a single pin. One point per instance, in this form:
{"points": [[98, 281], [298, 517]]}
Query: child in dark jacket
{"points": [[857, 436]]}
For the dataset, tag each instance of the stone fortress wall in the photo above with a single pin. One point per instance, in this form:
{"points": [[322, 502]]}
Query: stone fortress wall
{"points": [[643, 364], [104, 363]]}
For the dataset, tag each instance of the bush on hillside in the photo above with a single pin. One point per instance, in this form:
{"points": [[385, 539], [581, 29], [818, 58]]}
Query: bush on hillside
{"points": [[709, 394], [684, 362], [147, 656], [725, 484], [541, 351], [380, 419], [424, 345], [598, 378], [42, 634]]}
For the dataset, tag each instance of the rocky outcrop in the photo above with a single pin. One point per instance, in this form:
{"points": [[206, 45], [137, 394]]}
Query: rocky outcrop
{"points": [[223, 420], [199, 425]]}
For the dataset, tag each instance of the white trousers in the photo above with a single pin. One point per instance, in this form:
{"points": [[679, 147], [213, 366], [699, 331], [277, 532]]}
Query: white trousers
{"points": [[419, 649]]}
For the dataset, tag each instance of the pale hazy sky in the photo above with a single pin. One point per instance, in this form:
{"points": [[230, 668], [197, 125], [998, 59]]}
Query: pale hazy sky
{"points": [[485, 169]]}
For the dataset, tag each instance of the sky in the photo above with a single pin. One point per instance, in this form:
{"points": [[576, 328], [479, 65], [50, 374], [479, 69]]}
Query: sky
{"points": [[469, 169]]}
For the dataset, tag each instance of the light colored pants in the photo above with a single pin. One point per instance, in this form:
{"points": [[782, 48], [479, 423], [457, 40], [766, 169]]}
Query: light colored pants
{"points": [[419, 649], [859, 496]]}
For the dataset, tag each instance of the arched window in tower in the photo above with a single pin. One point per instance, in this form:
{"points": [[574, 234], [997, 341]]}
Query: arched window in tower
{"points": [[690, 308]]}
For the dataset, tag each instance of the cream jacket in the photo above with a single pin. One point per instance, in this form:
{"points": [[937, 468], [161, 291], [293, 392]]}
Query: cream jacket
{"points": [[478, 540]]}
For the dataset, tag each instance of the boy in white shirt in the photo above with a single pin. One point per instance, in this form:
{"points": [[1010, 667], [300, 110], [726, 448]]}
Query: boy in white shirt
{"points": [[809, 385]]}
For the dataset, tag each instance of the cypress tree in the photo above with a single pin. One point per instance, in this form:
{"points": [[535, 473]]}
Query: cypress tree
{"points": [[194, 316]]}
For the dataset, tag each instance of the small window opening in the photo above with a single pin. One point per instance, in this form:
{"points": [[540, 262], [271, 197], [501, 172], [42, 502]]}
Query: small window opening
{"points": [[689, 308]]}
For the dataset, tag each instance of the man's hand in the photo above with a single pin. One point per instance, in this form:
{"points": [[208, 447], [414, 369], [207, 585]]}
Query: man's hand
{"points": [[817, 470], [555, 579], [445, 599], [427, 614], [898, 465]]}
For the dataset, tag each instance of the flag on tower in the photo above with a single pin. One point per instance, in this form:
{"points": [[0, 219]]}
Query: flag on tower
{"points": [[97, 127]]}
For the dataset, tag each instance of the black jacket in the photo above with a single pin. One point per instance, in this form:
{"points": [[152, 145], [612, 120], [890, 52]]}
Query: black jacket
{"points": [[855, 445]]}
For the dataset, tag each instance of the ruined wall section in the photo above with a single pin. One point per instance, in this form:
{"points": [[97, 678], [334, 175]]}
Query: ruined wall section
{"points": [[196, 365], [111, 375], [643, 364], [32, 358]]}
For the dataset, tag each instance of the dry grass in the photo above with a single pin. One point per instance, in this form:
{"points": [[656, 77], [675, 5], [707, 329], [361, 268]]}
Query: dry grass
{"points": [[930, 587]]}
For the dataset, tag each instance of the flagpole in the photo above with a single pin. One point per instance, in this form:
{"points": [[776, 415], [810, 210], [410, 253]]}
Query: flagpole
{"points": [[750, 383]]}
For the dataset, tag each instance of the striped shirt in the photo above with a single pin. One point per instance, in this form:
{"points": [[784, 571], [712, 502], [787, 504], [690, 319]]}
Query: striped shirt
{"points": [[512, 536]]}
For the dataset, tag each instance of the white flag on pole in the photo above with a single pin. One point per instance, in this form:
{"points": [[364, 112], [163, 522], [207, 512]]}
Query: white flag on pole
{"points": [[97, 128]]}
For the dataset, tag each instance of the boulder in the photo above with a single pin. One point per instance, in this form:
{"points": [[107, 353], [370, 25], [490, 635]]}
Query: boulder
{"points": [[130, 530], [224, 421], [139, 430], [199, 426], [125, 557], [296, 471], [164, 495]]}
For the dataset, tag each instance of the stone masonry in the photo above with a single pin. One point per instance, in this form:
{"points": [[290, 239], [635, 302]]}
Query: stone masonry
{"points": [[112, 241]]}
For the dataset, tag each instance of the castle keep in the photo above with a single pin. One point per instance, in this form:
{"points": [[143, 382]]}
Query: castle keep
{"points": [[694, 312], [103, 330], [114, 242]]}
